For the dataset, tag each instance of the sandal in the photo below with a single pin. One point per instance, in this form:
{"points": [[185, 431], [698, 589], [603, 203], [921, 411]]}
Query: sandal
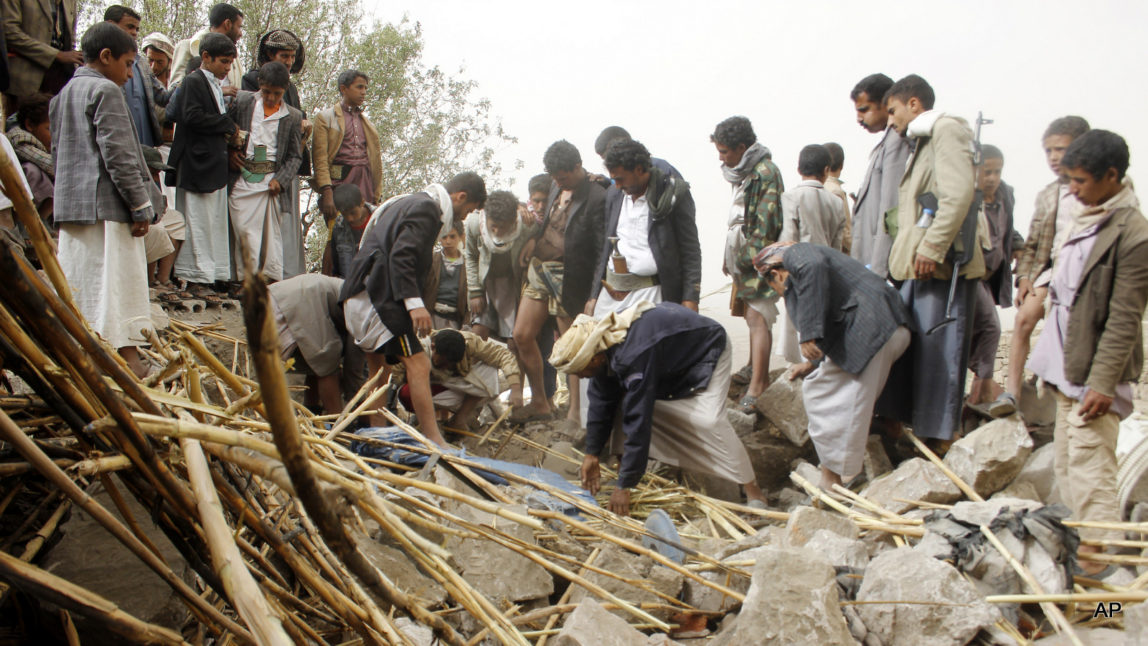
{"points": [[170, 298], [205, 294], [748, 404], [1003, 406]]}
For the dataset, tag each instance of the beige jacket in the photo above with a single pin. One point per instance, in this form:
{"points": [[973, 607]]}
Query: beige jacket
{"points": [[28, 32], [326, 139], [943, 165], [833, 185]]}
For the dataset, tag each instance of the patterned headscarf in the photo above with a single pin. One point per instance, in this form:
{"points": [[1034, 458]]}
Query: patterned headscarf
{"points": [[278, 39]]}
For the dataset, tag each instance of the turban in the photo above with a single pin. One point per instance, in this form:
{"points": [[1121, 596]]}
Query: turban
{"points": [[160, 42], [281, 39], [770, 256], [588, 336]]}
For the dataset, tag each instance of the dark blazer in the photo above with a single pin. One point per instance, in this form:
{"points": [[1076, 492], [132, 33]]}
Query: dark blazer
{"points": [[1104, 345], [1000, 283], [673, 240], [394, 260], [833, 299], [199, 151], [585, 235], [288, 143], [669, 353], [291, 98]]}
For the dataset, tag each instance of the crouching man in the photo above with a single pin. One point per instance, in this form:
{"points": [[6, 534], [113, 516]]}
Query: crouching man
{"points": [[852, 326], [1091, 349], [312, 331], [659, 375], [465, 375]]}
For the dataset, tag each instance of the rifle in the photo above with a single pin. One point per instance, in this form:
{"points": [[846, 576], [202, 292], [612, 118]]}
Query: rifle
{"points": [[967, 237]]}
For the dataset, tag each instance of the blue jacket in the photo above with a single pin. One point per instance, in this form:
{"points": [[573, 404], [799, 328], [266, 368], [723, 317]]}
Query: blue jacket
{"points": [[669, 353]]}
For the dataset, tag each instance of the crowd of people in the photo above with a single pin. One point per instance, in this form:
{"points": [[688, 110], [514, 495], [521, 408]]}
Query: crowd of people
{"points": [[891, 294]]}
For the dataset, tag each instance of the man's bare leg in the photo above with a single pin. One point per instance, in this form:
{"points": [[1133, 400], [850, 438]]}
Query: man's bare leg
{"points": [[165, 264], [135, 361], [760, 345], [330, 394], [466, 410], [418, 369], [754, 492], [1030, 312], [828, 479], [532, 315]]}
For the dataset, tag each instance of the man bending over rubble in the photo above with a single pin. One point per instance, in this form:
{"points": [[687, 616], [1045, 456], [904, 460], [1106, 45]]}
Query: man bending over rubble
{"points": [[659, 375], [852, 326]]}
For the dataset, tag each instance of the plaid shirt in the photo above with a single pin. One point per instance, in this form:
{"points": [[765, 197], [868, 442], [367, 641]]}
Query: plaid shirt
{"points": [[100, 169], [1037, 253]]}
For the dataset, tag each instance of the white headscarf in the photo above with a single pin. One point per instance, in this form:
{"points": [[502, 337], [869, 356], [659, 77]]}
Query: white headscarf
{"points": [[588, 336]]}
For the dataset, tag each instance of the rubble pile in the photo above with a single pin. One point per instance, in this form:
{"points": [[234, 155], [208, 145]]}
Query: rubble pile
{"points": [[205, 505]]}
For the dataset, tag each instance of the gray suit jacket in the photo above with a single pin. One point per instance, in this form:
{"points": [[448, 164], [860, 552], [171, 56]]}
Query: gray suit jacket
{"points": [[100, 169], [288, 142], [832, 299], [28, 32], [878, 194]]}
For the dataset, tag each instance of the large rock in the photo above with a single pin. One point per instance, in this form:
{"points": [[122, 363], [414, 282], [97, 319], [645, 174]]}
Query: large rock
{"points": [[89, 556], [633, 567], [877, 462], [903, 574], [402, 571], [839, 550], [1136, 624], [498, 572], [707, 599], [991, 456], [782, 405], [771, 456], [591, 625], [742, 423], [804, 522], [793, 600], [914, 480], [1039, 472]]}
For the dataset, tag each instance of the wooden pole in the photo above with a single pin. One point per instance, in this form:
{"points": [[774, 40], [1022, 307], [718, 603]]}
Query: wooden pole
{"points": [[30, 218], [263, 342], [243, 591]]}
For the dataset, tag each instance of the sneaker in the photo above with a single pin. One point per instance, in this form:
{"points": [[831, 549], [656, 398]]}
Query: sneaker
{"points": [[1003, 406], [742, 377]]}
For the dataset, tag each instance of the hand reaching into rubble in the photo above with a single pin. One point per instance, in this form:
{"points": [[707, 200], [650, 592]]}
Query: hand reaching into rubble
{"points": [[591, 474], [620, 501]]}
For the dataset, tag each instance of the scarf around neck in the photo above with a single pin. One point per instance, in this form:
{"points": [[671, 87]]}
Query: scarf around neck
{"points": [[662, 199], [29, 149], [495, 245], [749, 159]]}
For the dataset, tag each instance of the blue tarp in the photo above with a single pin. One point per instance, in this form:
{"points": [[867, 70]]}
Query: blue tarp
{"points": [[537, 499]]}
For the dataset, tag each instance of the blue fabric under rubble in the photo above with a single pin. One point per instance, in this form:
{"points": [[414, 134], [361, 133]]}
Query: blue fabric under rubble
{"points": [[536, 499]]}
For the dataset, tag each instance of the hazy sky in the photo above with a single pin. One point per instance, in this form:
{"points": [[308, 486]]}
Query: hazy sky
{"points": [[668, 71]]}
